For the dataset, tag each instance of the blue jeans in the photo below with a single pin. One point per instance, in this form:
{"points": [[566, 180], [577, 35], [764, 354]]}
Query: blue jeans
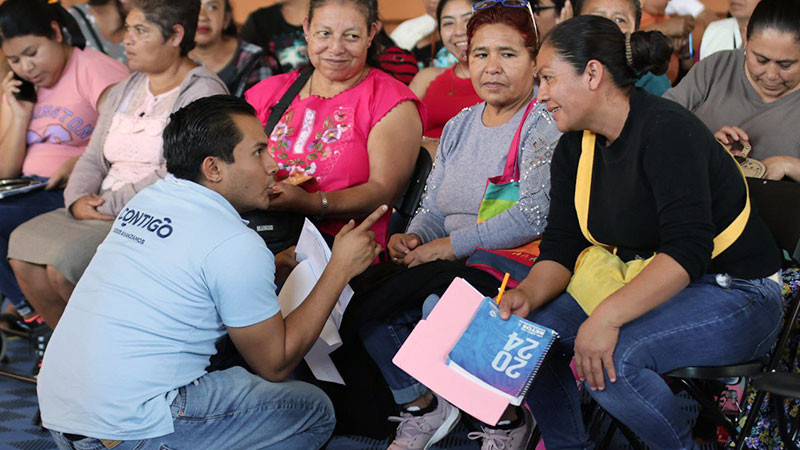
{"points": [[706, 324], [14, 211], [382, 341], [235, 409]]}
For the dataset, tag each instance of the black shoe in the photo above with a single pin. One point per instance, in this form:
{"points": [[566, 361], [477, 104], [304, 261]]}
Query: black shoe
{"points": [[40, 336]]}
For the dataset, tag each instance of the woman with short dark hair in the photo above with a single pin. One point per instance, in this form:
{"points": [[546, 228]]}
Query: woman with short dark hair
{"points": [[352, 133], [123, 156], [44, 131], [639, 175]]}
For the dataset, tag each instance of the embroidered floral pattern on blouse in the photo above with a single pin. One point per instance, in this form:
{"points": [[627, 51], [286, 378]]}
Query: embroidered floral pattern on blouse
{"points": [[309, 152]]}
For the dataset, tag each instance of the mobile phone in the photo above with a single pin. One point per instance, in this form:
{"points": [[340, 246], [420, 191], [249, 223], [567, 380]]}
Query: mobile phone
{"points": [[27, 91], [14, 181]]}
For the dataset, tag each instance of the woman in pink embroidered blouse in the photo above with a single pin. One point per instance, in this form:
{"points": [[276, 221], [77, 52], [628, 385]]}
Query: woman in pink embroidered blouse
{"points": [[353, 128]]}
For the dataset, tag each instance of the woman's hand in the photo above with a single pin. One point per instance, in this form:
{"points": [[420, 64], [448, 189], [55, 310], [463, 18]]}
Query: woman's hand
{"points": [[401, 244], [59, 178], [19, 109], [85, 208], [566, 12], [437, 249], [515, 301], [285, 262], [288, 197], [781, 166], [676, 26], [729, 135], [594, 349]]}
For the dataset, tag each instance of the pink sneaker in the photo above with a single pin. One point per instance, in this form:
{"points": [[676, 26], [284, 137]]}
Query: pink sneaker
{"points": [[514, 439], [421, 432]]}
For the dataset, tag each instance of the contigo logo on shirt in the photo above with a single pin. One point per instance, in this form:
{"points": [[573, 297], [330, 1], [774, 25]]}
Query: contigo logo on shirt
{"points": [[161, 227]]}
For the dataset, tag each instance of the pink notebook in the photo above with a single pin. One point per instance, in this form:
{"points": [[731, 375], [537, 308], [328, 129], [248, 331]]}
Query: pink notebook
{"points": [[424, 354]]}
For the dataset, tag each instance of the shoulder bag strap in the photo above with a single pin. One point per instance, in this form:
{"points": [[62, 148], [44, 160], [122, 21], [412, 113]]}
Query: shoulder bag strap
{"points": [[277, 110], [511, 169], [732, 232], [89, 27], [583, 186]]}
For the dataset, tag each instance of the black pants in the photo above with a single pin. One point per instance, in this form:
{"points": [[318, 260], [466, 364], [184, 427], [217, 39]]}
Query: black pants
{"points": [[382, 291]]}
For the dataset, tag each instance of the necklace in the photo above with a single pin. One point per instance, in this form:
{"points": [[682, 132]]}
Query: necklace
{"points": [[361, 76]]}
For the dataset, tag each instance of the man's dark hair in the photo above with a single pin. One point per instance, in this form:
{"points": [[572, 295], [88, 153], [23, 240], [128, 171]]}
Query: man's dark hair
{"points": [[200, 129]]}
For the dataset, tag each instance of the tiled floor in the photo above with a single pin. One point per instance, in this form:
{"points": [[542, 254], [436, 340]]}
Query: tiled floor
{"points": [[18, 407]]}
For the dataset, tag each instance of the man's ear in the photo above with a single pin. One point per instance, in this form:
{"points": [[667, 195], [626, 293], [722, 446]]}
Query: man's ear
{"points": [[306, 25], [594, 74], [211, 169]]}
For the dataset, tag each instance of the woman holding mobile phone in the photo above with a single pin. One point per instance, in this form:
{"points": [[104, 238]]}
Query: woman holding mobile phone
{"points": [[47, 114]]}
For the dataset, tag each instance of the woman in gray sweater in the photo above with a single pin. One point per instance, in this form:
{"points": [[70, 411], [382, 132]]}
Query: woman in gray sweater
{"points": [[445, 231], [50, 252]]}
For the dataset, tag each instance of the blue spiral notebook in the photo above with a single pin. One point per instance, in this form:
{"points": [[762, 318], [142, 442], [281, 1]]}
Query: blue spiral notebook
{"points": [[501, 355]]}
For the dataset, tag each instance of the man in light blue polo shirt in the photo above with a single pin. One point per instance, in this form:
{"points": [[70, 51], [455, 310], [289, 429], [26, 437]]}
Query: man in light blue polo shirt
{"points": [[126, 366]]}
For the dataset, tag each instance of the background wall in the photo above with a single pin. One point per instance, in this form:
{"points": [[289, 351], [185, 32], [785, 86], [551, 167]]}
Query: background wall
{"points": [[392, 12]]}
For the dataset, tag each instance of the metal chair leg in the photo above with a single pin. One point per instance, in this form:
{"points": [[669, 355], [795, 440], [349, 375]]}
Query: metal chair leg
{"points": [[709, 407], [751, 420]]}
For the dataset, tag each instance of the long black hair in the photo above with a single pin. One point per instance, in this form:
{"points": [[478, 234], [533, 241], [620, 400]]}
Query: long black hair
{"points": [[583, 38], [34, 18]]}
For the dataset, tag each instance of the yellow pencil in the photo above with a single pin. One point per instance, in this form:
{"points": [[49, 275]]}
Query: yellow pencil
{"points": [[502, 288]]}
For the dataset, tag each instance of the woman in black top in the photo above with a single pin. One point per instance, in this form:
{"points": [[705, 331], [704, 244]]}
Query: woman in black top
{"points": [[660, 184]]}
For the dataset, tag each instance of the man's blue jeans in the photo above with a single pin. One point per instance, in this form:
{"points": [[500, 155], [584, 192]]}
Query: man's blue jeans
{"points": [[14, 211], [709, 323], [238, 410]]}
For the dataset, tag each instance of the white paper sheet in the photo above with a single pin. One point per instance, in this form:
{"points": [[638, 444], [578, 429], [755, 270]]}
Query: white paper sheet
{"points": [[313, 255]]}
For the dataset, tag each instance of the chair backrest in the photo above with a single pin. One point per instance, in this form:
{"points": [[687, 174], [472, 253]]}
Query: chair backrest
{"points": [[407, 204], [778, 204]]}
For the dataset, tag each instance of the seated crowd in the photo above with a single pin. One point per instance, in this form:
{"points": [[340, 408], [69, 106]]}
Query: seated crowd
{"points": [[158, 126]]}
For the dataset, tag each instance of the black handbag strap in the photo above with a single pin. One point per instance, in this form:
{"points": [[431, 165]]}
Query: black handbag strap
{"points": [[277, 110], [95, 37]]}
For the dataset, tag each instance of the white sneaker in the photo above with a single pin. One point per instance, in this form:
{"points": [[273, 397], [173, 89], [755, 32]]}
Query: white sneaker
{"points": [[421, 432], [514, 439]]}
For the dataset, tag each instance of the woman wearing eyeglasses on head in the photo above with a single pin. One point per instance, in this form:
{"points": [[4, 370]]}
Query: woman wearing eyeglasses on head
{"points": [[475, 146]]}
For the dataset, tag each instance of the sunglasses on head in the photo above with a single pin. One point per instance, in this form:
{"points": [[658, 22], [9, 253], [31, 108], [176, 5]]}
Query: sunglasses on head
{"points": [[484, 4]]}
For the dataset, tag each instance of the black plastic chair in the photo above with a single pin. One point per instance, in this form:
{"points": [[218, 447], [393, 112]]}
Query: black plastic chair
{"points": [[406, 206], [770, 198]]}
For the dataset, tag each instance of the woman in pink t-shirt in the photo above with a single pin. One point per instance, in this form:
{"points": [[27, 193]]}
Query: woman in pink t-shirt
{"points": [[44, 138], [354, 130]]}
